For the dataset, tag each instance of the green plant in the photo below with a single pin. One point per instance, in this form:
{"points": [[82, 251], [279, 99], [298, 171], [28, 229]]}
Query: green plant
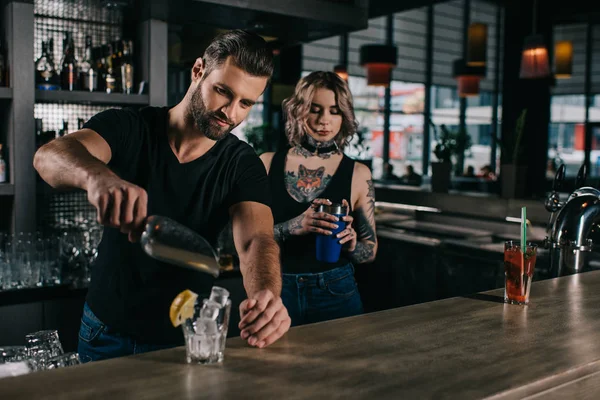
{"points": [[261, 137], [512, 149], [450, 143]]}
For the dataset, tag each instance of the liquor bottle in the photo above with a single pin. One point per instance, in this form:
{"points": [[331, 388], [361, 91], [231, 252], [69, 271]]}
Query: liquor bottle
{"points": [[88, 69], [109, 81], [64, 130], [127, 68], [68, 72], [39, 133], [45, 74], [117, 56], [2, 167], [100, 67]]}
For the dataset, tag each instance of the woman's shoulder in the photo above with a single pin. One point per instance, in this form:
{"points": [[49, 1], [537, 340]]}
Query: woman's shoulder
{"points": [[361, 172]]}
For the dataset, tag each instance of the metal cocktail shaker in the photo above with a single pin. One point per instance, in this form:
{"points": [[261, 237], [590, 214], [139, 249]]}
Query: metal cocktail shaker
{"points": [[328, 246], [169, 241]]}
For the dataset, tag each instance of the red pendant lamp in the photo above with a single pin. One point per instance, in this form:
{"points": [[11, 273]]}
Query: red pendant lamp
{"points": [[534, 59], [341, 71], [379, 59], [468, 78]]}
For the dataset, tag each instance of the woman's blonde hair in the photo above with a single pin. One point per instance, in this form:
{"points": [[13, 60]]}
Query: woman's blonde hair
{"points": [[297, 107]]}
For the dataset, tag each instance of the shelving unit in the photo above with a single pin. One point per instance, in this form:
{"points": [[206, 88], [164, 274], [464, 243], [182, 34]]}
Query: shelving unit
{"points": [[80, 97], [26, 23]]}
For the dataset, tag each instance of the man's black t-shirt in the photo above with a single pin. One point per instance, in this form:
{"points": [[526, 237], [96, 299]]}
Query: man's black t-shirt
{"points": [[129, 291]]}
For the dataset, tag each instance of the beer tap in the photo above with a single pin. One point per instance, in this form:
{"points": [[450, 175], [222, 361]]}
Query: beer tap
{"points": [[553, 203], [581, 176], [575, 231]]}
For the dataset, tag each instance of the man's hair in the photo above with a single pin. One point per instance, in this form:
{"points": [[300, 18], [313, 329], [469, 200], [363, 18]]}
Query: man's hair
{"points": [[247, 50], [297, 106]]}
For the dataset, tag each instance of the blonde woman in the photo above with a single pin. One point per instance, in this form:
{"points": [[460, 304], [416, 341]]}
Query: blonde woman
{"points": [[313, 170]]}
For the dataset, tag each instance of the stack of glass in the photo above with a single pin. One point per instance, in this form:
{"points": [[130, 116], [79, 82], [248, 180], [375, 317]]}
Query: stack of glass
{"points": [[206, 333], [29, 260], [62, 256], [43, 350]]}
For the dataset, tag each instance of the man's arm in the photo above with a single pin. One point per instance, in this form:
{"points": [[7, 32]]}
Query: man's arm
{"points": [[364, 220], [69, 161], [79, 161], [257, 250], [264, 318]]}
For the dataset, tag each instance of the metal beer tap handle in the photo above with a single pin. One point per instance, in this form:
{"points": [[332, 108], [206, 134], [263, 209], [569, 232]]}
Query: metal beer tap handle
{"points": [[553, 203], [581, 176]]}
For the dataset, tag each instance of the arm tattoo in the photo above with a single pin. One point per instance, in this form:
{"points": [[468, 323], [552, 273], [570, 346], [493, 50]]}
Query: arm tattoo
{"points": [[363, 225], [365, 247], [308, 185], [363, 252], [371, 199], [286, 229]]}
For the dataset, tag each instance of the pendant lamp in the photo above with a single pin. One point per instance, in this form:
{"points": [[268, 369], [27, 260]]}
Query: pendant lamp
{"points": [[379, 59], [477, 44], [563, 59], [468, 78], [534, 59]]}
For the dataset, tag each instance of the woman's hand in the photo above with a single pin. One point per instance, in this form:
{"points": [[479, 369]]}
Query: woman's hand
{"points": [[311, 221], [348, 236]]}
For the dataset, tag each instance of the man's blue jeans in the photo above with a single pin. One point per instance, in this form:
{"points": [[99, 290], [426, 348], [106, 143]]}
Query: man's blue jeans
{"points": [[98, 342]]}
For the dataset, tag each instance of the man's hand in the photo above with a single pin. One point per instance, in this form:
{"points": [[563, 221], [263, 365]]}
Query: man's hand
{"points": [[120, 204], [264, 319]]}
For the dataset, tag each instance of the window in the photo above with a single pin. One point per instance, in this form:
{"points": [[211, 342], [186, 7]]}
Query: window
{"points": [[368, 106], [566, 142], [254, 118], [595, 109]]}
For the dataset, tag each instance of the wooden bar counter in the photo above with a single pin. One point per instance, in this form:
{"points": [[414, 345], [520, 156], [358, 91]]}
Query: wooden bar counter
{"points": [[461, 348]]}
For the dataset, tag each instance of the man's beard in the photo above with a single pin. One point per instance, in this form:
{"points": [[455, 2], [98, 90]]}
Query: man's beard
{"points": [[204, 119]]}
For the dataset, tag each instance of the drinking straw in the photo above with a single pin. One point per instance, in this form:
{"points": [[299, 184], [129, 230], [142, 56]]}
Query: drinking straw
{"points": [[523, 229], [523, 248]]}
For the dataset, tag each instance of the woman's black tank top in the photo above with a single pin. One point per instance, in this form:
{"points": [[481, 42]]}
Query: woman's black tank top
{"points": [[298, 253]]}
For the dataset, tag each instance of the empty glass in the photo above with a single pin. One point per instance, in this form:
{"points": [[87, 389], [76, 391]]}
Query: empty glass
{"points": [[63, 360], [42, 346], [12, 354]]}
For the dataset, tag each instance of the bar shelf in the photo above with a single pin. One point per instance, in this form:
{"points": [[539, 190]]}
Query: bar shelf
{"points": [[82, 97]]}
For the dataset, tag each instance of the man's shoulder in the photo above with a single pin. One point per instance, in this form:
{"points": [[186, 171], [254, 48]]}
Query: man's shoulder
{"points": [[234, 146]]}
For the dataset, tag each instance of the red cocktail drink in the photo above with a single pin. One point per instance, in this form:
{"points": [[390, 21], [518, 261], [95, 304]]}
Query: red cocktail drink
{"points": [[518, 270]]}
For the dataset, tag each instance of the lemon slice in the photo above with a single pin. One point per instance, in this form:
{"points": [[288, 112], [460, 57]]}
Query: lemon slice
{"points": [[182, 307]]}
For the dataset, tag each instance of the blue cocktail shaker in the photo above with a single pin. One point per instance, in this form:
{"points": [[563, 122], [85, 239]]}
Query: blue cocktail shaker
{"points": [[328, 246]]}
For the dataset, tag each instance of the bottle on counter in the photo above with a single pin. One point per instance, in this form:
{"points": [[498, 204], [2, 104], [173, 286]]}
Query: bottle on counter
{"points": [[46, 77], [2, 167], [127, 67], [110, 81], [65, 129], [88, 69], [68, 72], [116, 56]]}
